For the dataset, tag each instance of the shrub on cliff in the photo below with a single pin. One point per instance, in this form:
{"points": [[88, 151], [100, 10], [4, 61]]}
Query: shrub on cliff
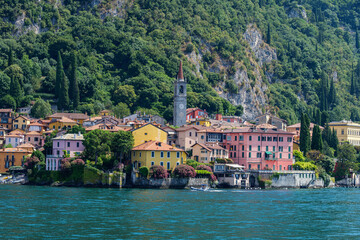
{"points": [[78, 162], [204, 167], [158, 172], [184, 171], [144, 171], [65, 164]]}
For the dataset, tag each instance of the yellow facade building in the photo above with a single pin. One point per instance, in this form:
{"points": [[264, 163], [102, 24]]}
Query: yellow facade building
{"points": [[62, 123], [149, 132], [21, 122], [200, 122], [77, 117], [12, 157], [347, 131], [157, 153]]}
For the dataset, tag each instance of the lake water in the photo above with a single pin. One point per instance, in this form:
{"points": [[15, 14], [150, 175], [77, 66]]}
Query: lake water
{"points": [[82, 213]]}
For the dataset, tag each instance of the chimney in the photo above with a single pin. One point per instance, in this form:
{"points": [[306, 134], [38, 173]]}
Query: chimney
{"points": [[218, 116]]}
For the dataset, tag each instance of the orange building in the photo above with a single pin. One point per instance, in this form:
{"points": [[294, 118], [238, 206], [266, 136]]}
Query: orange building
{"points": [[12, 157]]}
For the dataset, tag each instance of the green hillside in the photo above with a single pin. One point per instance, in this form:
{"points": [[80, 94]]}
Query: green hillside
{"points": [[124, 55]]}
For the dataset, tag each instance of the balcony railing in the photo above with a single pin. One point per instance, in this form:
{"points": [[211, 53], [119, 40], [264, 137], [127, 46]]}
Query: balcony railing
{"points": [[271, 158], [53, 156]]}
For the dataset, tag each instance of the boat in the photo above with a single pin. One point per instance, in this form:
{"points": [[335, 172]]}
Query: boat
{"points": [[202, 188]]}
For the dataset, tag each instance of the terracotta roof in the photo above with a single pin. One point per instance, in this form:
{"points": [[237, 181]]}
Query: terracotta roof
{"points": [[14, 136], [22, 116], [188, 127], [34, 133], [17, 149], [91, 119], [5, 110], [17, 132], [64, 120], [105, 127], [156, 146], [36, 124], [209, 146], [69, 115], [26, 145], [298, 125], [257, 130], [266, 125], [146, 125], [180, 73]]}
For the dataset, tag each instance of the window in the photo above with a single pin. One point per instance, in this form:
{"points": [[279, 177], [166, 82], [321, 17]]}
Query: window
{"points": [[152, 163], [342, 131], [177, 154], [139, 154], [274, 139], [202, 136], [267, 148], [258, 148], [289, 139], [289, 149], [263, 138], [162, 164], [273, 148], [68, 144], [235, 138], [139, 164], [161, 154], [228, 138], [36, 139], [230, 154], [234, 154], [242, 147], [189, 134], [58, 144], [9, 140], [242, 154], [258, 155], [234, 147], [249, 147], [177, 163], [241, 138], [259, 138], [273, 167], [134, 153], [258, 166], [280, 168], [29, 139], [145, 133], [250, 155], [281, 149], [280, 155], [281, 139], [168, 165], [289, 155], [58, 152], [269, 139], [249, 166], [250, 138], [152, 154], [168, 154]]}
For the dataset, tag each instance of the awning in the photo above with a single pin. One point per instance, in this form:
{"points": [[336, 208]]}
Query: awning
{"points": [[267, 152], [235, 165]]}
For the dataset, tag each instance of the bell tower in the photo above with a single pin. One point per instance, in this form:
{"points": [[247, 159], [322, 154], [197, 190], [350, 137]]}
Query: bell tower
{"points": [[179, 99]]}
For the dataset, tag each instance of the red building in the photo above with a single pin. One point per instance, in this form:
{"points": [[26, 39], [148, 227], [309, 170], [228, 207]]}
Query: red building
{"points": [[195, 113]]}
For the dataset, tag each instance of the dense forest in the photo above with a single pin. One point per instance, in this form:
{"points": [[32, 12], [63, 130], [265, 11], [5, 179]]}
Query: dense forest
{"points": [[88, 55]]}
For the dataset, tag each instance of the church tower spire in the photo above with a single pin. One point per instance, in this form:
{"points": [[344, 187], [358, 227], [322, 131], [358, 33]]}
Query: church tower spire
{"points": [[179, 99]]}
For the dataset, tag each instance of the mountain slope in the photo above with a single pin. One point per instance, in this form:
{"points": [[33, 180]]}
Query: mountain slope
{"points": [[277, 56]]}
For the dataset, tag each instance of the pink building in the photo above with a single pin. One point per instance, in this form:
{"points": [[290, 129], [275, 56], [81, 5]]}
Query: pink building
{"points": [[195, 113], [260, 148], [71, 143]]}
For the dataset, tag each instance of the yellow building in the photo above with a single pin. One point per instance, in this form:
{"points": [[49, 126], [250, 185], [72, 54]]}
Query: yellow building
{"points": [[62, 123], [157, 153], [105, 113], [347, 131], [12, 157], [200, 122], [149, 132], [6, 118], [21, 122]]}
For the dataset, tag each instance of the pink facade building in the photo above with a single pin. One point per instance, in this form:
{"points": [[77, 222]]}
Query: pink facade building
{"points": [[70, 143], [260, 148]]}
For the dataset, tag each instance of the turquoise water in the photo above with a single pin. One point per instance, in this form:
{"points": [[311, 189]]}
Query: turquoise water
{"points": [[82, 213]]}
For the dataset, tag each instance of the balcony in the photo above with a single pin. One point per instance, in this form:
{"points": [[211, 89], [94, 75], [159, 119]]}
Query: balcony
{"points": [[270, 158], [53, 156]]}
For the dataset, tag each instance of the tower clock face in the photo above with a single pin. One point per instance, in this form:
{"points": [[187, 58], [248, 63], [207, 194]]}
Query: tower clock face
{"points": [[181, 106]]}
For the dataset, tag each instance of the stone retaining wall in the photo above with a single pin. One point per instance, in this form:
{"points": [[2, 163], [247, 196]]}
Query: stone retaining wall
{"points": [[170, 182]]}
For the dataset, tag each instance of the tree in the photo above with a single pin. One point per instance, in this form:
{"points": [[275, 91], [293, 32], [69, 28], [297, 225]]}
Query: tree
{"points": [[316, 143], [332, 94], [16, 91], [96, 143], [334, 141], [357, 41], [41, 109], [76, 129], [324, 118], [121, 144], [305, 134], [39, 155], [125, 94], [121, 110], [326, 133], [8, 102], [347, 152], [74, 86], [5, 82], [10, 57], [268, 34], [324, 93], [61, 85]]}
